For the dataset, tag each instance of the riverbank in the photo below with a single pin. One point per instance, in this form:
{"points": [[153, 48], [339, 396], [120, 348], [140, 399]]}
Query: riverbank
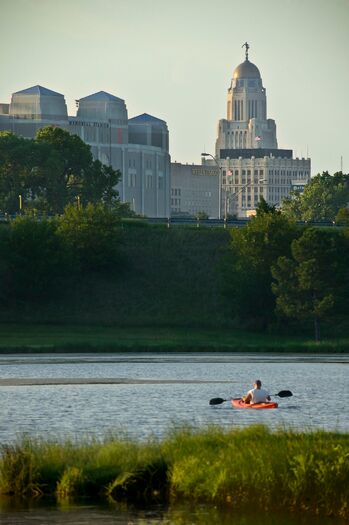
{"points": [[49, 338], [298, 471]]}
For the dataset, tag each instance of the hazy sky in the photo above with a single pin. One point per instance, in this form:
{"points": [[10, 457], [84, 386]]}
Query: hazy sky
{"points": [[174, 59]]}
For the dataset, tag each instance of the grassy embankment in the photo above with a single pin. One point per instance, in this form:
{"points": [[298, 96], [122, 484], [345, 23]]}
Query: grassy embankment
{"points": [[166, 294], [66, 338], [274, 470], [164, 278]]}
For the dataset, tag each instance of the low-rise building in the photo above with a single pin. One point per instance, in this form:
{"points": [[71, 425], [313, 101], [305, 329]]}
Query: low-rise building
{"points": [[194, 190]]}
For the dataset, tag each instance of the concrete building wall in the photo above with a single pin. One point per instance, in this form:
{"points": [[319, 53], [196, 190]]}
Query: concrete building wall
{"points": [[194, 189], [246, 180]]}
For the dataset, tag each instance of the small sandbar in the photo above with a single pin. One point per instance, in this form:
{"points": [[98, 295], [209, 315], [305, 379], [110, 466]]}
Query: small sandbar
{"points": [[14, 381]]}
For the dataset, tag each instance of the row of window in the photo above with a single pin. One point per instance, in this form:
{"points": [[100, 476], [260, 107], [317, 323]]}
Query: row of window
{"points": [[238, 110], [149, 181], [279, 191], [289, 173], [243, 172], [241, 180], [251, 83], [148, 163], [252, 109]]}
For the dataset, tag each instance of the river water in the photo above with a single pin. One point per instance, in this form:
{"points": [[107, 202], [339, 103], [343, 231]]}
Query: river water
{"points": [[82, 395]]}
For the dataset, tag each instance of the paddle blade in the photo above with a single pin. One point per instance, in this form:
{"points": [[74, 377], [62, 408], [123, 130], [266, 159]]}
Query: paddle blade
{"points": [[285, 393], [217, 401]]}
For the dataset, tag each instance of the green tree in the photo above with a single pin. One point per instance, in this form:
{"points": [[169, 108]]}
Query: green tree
{"points": [[17, 158], [264, 207], [99, 185], [247, 268], [310, 282], [69, 160], [94, 233], [51, 171], [321, 200], [342, 217]]}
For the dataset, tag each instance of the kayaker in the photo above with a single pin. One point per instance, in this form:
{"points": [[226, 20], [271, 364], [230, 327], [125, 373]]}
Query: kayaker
{"points": [[257, 394]]}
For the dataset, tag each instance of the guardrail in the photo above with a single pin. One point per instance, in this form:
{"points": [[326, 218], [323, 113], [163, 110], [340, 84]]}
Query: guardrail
{"points": [[225, 223], [187, 221]]}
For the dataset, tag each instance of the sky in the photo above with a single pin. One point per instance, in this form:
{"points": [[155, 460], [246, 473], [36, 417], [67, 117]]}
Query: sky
{"points": [[174, 59]]}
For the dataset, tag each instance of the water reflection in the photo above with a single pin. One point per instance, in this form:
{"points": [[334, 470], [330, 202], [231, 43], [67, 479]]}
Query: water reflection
{"points": [[18, 512]]}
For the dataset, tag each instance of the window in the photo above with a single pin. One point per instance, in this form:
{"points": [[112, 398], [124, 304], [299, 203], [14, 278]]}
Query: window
{"points": [[149, 181], [132, 180]]}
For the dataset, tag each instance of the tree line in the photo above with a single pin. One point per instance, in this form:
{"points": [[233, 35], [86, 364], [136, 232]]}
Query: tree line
{"points": [[273, 274], [277, 271]]}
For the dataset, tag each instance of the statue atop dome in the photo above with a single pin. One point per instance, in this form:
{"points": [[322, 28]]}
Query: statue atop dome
{"points": [[247, 47]]}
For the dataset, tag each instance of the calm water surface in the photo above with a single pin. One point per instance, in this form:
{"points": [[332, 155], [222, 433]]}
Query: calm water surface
{"points": [[144, 394]]}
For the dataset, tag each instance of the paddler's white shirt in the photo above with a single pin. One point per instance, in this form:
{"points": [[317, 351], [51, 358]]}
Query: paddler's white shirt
{"points": [[258, 395]]}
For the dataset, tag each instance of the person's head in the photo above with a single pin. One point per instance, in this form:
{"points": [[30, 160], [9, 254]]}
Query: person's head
{"points": [[258, 383]]}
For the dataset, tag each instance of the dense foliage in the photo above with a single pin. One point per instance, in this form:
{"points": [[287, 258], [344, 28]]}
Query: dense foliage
{"points": [[54, 169], [91, 266], [40, 259], [321, 200], [277, 270], [247, 268], [315, 279], [93, 234]]}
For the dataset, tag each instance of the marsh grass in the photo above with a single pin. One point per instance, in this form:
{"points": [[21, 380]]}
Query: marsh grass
{"points": [[253, 466]]}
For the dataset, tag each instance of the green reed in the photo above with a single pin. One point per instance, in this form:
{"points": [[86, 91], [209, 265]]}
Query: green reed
{"points": [[270, 470]]}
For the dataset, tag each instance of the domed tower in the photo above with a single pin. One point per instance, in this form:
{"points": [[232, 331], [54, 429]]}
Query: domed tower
{"points": [[246, 95], [246, 125]]}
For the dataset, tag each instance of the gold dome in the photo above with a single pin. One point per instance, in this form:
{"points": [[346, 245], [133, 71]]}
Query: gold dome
{"points": [[246, 70]]}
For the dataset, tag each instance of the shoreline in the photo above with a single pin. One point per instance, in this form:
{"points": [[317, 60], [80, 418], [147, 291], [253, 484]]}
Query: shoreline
{"points": [[24, 338]]}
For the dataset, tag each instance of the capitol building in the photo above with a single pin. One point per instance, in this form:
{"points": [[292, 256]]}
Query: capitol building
{"points": [[247, 163], [138, 147]]}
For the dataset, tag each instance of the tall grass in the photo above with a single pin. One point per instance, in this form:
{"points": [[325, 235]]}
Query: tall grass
{"points": [[239, 468]]}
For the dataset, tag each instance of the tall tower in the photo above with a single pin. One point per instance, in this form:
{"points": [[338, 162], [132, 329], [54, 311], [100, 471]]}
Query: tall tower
{"points": [[246, 125], [250, 163]]}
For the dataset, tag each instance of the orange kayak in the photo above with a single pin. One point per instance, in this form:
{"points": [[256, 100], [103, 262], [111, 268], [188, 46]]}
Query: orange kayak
{"points": [[238, 403]]}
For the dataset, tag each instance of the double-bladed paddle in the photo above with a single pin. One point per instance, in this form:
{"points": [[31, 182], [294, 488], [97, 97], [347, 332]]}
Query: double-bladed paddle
{"points": [[219, 400]]}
